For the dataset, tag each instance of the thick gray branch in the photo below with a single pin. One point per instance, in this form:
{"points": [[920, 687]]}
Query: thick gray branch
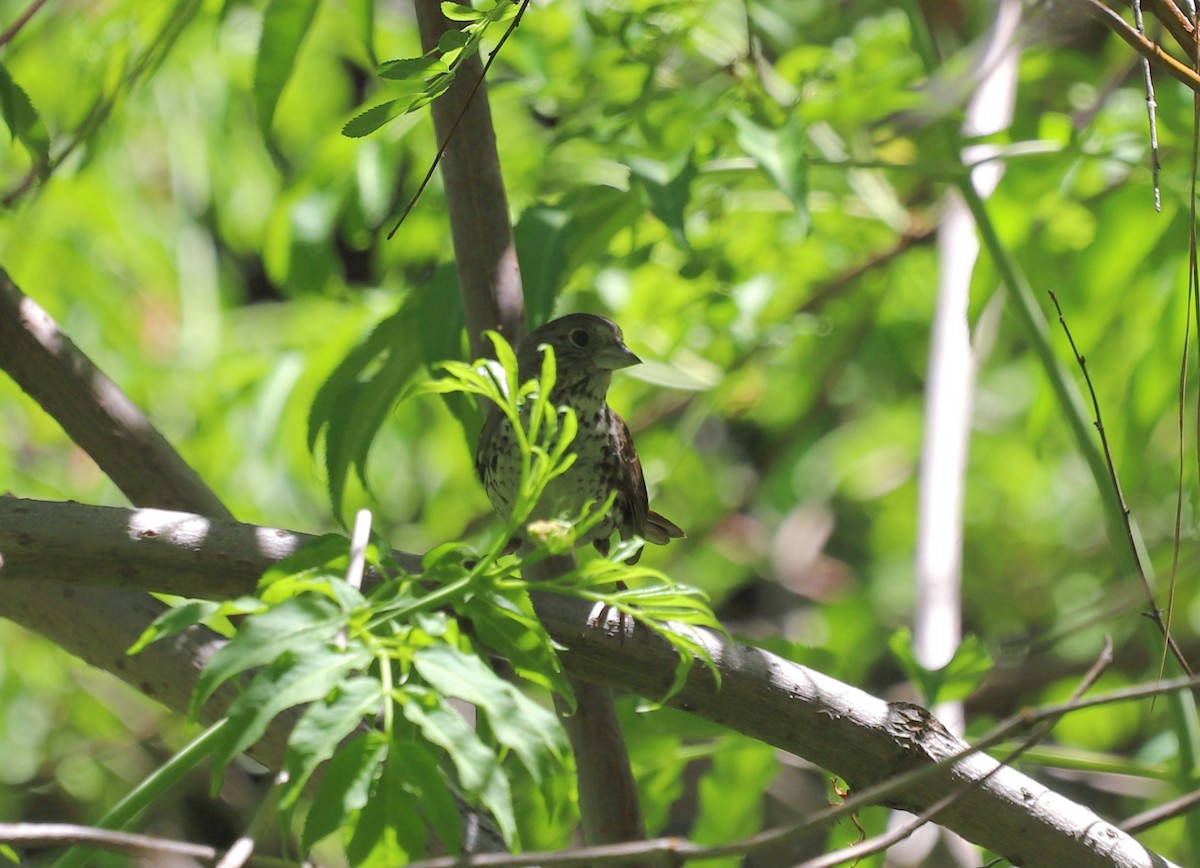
{"points": [[838, 727], [93, 410]]}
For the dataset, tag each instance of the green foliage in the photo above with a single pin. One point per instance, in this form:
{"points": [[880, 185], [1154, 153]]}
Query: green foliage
{"points": [[23, 121], [953, 682], [421, 80], [395, 654], [390, 655]]}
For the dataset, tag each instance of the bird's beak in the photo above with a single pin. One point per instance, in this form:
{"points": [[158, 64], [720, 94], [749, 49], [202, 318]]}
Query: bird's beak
{"points": [[615, 357]]}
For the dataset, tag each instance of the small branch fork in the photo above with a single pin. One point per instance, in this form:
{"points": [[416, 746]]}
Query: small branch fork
{"points": [[1174, 20]]}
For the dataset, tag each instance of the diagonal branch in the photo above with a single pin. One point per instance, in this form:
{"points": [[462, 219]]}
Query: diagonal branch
{"points": [[838, 727], [1152, 51]]}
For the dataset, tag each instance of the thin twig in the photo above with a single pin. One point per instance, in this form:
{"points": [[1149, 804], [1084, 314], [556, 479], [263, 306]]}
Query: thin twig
{"points": [[680, 849], [22, 20], [454, 127], [1151, 106], [901, 831], [1154, 613]]}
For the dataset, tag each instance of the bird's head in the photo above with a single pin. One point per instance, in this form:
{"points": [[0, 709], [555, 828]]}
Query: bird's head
{"points": [[586, 347]]}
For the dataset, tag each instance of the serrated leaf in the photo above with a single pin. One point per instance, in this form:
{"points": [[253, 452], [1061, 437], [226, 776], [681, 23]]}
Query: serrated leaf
{"points": [[354, 402], [174, 621], [517, 636], [327, 552], [322, 727], [954, 681], [285, 24], [779, 153], [412, 68], [301, 674], [668, 188], [23, 121], [388, 831], [300, 622], [345, 787], [375, 117], [422, 777], [520, 724], [478, 768]]}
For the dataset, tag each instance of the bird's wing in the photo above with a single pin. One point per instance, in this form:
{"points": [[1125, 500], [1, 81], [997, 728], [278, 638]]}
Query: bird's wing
{"points": [[631, 484]]}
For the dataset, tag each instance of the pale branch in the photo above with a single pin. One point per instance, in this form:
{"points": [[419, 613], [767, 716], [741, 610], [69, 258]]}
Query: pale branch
{"points": [[94, 412], [130, 843], [861, 738]]}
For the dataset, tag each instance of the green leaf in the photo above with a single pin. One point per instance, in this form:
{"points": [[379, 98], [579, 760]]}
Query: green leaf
{"points": [[423, 778], [413, 68], [285, 24], [301, 674], [740, 766], [668, 188], [296, 624], [529, 730], [345, 786], [540, 238], [451, 44], [955, 681], [329, 551], [388, 831], [461, 12], [174, 621], [353, 403], [375, 117], [23, 121], [779, 153], [511, 629], [479, 770], [322, 727]]}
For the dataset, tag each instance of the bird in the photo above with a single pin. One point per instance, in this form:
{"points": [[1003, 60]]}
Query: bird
{"points": [[587, 349]]}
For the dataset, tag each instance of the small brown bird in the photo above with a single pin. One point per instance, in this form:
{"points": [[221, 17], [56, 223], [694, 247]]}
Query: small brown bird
{"points": [[587, 349]]}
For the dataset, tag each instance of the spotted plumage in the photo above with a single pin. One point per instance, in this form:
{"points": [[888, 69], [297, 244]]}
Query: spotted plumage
{"points": [[587, 349]]}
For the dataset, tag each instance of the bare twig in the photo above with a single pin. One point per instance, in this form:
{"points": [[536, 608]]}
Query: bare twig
{"points": [[437, 159], [1151, 105], [67, 834], [1154, 613], [485, 257], [1178, 24], [22, 19]]}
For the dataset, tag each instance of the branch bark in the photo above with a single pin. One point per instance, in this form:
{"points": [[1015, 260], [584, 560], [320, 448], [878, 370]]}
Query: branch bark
{"points": [[1154, 52], [838, 727]]}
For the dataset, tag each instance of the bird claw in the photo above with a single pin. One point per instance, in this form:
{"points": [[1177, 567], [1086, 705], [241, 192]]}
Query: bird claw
{"points": [[610, 619]]}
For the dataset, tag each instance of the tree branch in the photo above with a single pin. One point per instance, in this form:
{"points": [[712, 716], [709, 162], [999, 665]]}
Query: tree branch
{"points": [[857, 736], [1152, 51]]}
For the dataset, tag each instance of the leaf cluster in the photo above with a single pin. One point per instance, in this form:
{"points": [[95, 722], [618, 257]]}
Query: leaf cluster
{"points": [[375, 671]]}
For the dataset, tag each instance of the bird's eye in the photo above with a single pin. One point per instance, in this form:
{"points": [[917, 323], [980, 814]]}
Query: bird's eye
{"points": [[580, 338]]}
